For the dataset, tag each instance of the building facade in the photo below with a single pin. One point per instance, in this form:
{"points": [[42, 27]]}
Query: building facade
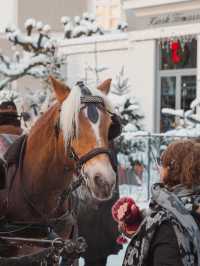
{"points": [[165, 40], [160, 53]]}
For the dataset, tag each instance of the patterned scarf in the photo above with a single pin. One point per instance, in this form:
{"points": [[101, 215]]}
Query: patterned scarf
{"points": [[173, 207]]}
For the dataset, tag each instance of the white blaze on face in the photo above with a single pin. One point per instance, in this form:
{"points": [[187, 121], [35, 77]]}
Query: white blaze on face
{"points": [[101, 165], [95, 127]]}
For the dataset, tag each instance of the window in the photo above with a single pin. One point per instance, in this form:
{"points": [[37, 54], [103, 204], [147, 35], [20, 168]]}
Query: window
{"points": [[177, 78], [108, 13], [168, 100], [188, 91]]}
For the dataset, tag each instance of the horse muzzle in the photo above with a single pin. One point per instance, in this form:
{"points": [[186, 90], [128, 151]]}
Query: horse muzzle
{"points": [[102, 187]]}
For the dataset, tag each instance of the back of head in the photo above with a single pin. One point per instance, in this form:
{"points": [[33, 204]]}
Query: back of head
{"points": [[182, 159]]}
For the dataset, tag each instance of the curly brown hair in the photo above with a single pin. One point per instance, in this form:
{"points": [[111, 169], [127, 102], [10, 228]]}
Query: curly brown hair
{"points": [[182, 158]]}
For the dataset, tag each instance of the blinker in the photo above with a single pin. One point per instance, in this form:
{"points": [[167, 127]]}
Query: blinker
{"points": [[92, 112]]}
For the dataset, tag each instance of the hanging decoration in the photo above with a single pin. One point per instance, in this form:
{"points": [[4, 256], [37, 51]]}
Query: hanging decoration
{"points": [[175, 52]]}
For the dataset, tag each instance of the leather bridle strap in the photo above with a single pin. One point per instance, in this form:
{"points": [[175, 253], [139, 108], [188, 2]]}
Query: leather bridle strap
{"points": [[80, 161]]}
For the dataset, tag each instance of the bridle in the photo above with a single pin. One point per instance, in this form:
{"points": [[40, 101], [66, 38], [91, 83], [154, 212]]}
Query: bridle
{"points": [[114, 131]]}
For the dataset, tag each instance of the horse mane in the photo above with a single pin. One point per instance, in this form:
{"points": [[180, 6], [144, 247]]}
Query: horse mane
{"points": [[69, 116]]}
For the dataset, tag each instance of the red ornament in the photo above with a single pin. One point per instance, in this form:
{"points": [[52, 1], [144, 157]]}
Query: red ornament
{"points": [[176, 52]]}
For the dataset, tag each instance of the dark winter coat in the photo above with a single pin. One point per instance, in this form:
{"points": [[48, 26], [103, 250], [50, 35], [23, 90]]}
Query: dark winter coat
{"points": [[100, 231], [164, 249]]}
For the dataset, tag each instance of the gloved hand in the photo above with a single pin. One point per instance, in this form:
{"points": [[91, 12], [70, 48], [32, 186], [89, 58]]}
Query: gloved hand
{"points": [[127, 214]]}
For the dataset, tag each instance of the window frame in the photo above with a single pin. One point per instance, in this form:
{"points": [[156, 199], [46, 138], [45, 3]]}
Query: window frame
{"points": [[178, 73]]}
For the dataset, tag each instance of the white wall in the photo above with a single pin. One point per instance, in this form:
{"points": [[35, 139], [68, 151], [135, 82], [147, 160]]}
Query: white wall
{"points": [[49, 11], [138, 58], [76, 65], [142, 64], [111, 53], [8, 13]]}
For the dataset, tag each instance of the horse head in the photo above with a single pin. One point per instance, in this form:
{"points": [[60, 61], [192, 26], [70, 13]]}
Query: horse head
{"points": [[86, 122]]}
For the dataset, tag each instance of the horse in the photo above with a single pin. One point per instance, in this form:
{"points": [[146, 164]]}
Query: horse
{"points": [[71, 138]]}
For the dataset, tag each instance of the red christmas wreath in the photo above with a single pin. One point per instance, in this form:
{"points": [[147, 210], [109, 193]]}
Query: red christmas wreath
{"points": [[176, 52]]}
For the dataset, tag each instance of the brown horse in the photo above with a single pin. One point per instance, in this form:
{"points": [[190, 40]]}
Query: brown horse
{"points": [[71, 137]]}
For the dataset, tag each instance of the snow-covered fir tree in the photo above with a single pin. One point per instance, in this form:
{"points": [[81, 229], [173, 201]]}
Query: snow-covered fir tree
{"points": [[127, 106]]}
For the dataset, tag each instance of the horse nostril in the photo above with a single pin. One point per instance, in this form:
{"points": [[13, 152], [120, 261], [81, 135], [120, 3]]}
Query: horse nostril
{"points": [[98, 180], [113, 186]]}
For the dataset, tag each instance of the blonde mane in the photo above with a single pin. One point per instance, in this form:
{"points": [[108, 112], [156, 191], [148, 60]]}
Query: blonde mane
{"points": [[69, 116]]}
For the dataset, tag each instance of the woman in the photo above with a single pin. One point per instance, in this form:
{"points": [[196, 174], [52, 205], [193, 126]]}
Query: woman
{"points": [[170, 232]]}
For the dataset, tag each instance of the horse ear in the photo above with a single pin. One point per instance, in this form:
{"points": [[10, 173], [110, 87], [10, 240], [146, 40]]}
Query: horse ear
{"points": [[61, 90], [105, 86]]}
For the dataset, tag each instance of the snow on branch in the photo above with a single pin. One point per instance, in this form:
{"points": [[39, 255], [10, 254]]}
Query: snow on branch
{"points": [[194, 118], [169, 111], [26, 66], [36, 39], [37, 56], [86, 25], [190, 116], [195, 103]]}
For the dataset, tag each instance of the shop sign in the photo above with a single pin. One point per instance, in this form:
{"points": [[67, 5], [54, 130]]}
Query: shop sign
{"points": [[174, 18], [164, 20]]}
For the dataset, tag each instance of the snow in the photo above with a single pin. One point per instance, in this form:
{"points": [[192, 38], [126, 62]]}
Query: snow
{"points": [[37, 56], [86, 25], [68, 27], [195, 103], [30, 23], [17, 69], [123, 26], [79, 30], [113, 260], [39, 25], [177, 112], [65, 19], [46, 28], [192, 132]]}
